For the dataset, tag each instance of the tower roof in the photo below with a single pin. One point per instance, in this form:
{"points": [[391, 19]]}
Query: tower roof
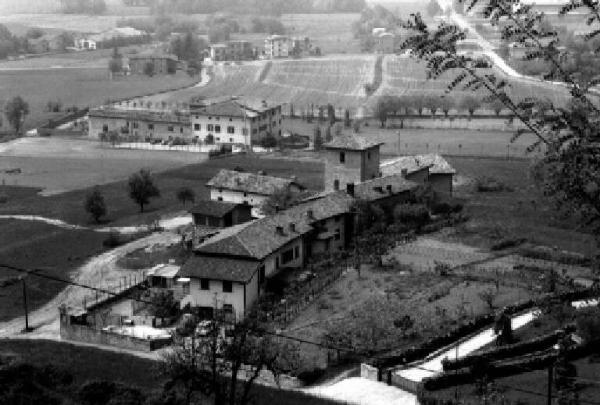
{"points": [[351, 141]]}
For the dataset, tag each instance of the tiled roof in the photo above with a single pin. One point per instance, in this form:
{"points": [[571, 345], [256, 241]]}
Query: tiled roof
{"points": [[213, 208], [436, 163], [249, 182], [262, 237], [219, 268], [141, 115], [377, 189], [231, 107], [352, 142]]}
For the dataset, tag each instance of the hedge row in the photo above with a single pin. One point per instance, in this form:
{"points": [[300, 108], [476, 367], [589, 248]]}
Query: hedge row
{"points": [[430, 346], [537, 361], [505, 352]]}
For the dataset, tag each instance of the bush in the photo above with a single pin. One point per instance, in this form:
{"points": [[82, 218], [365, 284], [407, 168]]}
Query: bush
{"points": [[311, 376], [490, 185], [413, 214], [508, 243]]}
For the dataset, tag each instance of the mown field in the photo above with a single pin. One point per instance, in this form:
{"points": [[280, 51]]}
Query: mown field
{"points": [[82, 87]]}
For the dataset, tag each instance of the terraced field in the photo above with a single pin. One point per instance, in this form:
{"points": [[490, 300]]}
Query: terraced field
{"points": [[405, 75]]}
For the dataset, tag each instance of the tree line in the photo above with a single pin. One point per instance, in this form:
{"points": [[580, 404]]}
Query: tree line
{"points": [[95, 7], [261, 7]]}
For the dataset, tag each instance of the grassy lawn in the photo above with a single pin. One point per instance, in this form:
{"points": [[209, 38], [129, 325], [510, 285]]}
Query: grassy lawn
{"points": [[37, 245], [91, 364], [522, 213], [82, 87]]}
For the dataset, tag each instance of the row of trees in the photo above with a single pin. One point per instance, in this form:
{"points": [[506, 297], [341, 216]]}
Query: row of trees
{"points": [[417, 104], [94, 7]]}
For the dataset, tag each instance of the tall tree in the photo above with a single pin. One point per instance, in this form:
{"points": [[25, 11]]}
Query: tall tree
{"points": [[95, 204], [142, 188], [185, 194], [16, 110]]}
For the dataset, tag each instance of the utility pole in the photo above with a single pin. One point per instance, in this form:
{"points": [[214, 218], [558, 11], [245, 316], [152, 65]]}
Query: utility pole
{"points": [[27, 328], [550, 370]]}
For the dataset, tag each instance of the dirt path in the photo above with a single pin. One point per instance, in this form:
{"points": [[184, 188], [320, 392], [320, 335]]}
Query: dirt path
{"points": [[101, 271], [166, 223]]}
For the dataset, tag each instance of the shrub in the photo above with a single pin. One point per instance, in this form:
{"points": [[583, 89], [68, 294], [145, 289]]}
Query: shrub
{"points": [[508, 243], [413, 214], [311, 376], [490, 184], [113, 240]]}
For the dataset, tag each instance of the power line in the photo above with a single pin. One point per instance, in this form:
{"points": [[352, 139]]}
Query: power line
{"points": [[35, 272]]}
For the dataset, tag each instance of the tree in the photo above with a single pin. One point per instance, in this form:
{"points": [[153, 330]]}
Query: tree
{"points": [[185, 194], [149, 69], [16, 110], [142, 188], [95, 205], [488, 296], [331, 114], [318, 139], [163, 304], [211, 369], [209, 139], [496, 106], [433, 103], [282, 199], [115, 66], [347, 120], [433, 8], [569, 131], [446, 105], [382, 110], [470, 104]]}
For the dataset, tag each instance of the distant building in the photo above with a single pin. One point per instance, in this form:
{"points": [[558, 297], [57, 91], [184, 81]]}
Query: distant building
{"points": [[233, 50], [235, 121], [248, 188], [277, 46], [161, 63], [139, 124], [350, 159], [85, 44], [301, 46], [220, 214], [384, 43]]}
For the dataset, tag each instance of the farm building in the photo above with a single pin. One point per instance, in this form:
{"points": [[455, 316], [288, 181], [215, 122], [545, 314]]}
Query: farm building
{"points": [[277, 46], [228, 271], [248, 188], [220, 214], [350, 159], [440, 172], [235, 122], [231, 51], [139, 124], [156, 63], [85, 44]]}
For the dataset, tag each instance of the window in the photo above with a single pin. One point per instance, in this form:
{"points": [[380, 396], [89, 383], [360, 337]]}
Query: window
{"points": [[261, 274], [255, 131], [336, 185], [170, 128], [230, 130], [196, 127], [287, 256], [342, 157], [210, 127], [220, 198], [210, 118], [297, 252], [230, 119], [217, 129], [105, 128], [204, 284], [227, 286], [136, 125], [150, 127], [245, 131], [337, 234]]}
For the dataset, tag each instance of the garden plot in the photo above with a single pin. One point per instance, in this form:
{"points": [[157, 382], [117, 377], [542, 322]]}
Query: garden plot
{"points": [[424, 253]]}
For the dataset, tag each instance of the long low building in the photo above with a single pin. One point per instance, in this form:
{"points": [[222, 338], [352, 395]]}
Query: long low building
{"points": [[141, 125]]}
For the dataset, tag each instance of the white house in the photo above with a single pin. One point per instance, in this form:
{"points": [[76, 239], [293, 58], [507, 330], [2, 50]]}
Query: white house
{"points": [[234, 121], [85, 43], [248, 188], [277, 46]]}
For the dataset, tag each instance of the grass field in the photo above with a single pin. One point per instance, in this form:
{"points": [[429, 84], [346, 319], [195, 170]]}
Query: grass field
{"points": [[82, 87], [91, 364]]}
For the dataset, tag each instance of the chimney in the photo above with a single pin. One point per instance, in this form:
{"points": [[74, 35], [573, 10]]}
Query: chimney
{"points": [[389, 188], [310, 214], [292, 227], [350, 189], [404, 173], [279, 230]]}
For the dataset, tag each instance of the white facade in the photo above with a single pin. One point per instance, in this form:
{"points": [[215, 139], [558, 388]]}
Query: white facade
{"points": [[239, 197], [85, 44], [237, 130], [277, 46]]}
